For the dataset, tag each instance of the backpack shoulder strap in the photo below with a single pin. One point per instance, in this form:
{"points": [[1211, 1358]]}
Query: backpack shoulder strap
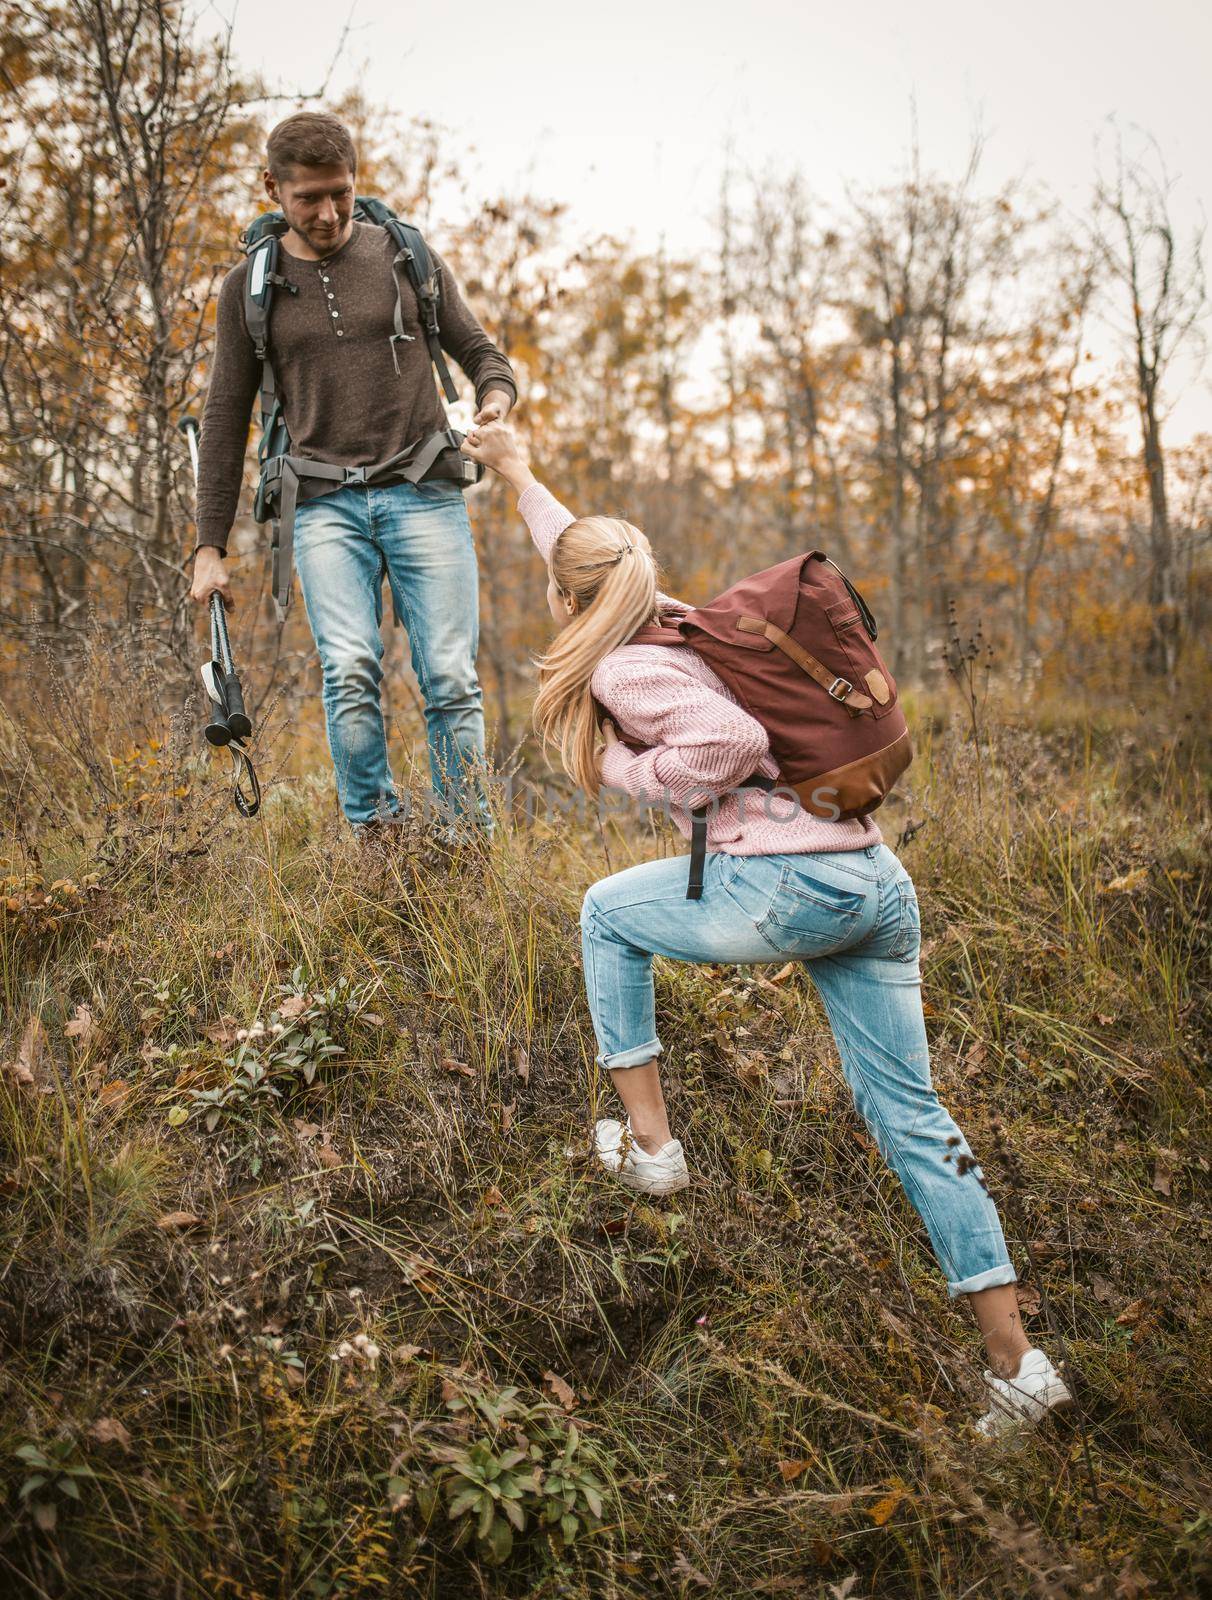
{"points": [[652, 633], [262, 247], [412, 253]]}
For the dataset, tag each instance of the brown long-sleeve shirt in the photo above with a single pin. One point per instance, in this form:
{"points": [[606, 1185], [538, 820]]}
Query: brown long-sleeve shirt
{"points": [[332, 359]]}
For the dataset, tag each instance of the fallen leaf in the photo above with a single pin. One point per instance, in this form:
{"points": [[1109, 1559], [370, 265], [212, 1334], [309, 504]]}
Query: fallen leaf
{"points": [[222, 1032], [306, 1130], [373, 1020], [790, 1470], [1132, 1313], [974, 1058], [1131, 1583], [33, 1046], [294, 1005], [1028, 1297], [1125, 885], [177, 1219], [839, 1591], [451, 1064], [507, 1111], [683, 1569], [561, 1390], [1102, 1289], [294, 1377], [114, 1092], [783, 973], [227, 953], [493, 1197], [1163, 1171], [81, 1025], [328, 1157], [883, 1509], [108, 1430], [405, 1352], [521, 1064]]}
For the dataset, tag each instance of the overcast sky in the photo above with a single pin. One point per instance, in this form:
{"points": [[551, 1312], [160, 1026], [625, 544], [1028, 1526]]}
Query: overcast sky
{"points": [[625, 110]]}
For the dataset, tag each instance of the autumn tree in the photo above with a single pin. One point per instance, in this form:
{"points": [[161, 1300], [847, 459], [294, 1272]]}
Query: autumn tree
{"points": [[1157, 298], [122, 135]]}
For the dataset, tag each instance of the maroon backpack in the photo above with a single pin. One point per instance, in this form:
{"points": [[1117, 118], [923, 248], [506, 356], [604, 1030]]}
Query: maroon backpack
{"points": [[796, 645]]}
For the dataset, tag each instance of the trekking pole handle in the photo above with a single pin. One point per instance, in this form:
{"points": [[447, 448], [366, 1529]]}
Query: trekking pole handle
{"points": [[238, 720]]}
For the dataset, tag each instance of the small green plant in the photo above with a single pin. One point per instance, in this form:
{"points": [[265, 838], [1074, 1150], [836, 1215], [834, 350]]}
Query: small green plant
{"points": [[531, 1469], [273, 1057], [168, 1007], [54, 1472], [248, 1088]]}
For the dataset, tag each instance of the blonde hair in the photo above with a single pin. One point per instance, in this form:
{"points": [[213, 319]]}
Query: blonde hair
{"points": [[608, 567]]}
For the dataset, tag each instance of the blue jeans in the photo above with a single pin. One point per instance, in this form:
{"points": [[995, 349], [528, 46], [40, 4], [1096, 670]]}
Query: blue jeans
{"points": [[852, 916], [420, 539]]}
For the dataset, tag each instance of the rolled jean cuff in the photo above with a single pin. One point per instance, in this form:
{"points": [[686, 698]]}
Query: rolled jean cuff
{"points": [[631, 1058], [993, 1279]]}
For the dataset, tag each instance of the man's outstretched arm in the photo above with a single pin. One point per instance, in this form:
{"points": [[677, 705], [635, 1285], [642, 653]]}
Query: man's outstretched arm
{"points": [[463, 338]]}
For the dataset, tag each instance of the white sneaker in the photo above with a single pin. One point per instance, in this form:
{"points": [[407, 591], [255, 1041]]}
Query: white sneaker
{"points": [[1036, 1389], [662, 1173]]}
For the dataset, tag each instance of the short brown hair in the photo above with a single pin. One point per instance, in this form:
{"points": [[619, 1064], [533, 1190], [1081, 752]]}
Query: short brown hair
{"points": [[310, 139]]}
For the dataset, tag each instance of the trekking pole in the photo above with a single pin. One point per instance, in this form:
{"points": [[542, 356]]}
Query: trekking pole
{"points": [[229, 723]]}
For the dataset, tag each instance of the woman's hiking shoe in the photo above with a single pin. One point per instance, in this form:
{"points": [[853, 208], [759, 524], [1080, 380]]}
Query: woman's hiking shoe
{"points": [[662, 1173], [1036, 1389]]}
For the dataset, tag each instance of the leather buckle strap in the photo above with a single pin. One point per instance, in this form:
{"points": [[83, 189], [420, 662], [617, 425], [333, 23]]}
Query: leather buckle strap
{"points": [[854, 702]]}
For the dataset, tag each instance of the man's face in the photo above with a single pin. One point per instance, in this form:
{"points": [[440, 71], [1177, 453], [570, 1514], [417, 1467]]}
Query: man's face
{"points": [[317, 202]]}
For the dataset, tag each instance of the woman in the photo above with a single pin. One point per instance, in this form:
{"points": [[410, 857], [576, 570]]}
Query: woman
{"points": [[779, 883]]}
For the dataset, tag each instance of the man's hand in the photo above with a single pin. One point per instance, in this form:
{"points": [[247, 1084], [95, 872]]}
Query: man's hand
{"points": [[210, 577], [611, 736], [497, 406], [497, 447]]}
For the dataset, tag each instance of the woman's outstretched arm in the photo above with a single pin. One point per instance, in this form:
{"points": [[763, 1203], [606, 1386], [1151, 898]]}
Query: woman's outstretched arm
{"points": [[497, 447]]}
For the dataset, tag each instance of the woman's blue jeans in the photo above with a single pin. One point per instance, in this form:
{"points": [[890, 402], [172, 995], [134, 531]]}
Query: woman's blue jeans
{"points": [[852, 916], [420, 538]]}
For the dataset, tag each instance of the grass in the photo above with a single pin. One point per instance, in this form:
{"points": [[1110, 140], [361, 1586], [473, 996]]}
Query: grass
{"points": [[341, 1307]]}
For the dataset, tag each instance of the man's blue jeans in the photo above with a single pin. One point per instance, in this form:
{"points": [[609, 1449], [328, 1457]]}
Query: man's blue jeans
{"points": [[420, 538], [852, 917]]}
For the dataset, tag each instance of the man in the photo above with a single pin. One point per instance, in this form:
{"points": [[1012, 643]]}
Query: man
{"points": [[356, 389]]}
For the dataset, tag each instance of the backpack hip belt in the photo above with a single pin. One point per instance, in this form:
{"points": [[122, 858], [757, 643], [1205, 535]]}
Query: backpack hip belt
{"points": [[282, 476]]}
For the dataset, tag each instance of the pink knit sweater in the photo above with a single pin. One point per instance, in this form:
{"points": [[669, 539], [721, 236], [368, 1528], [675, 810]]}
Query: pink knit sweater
{"points": [[699, 739]]}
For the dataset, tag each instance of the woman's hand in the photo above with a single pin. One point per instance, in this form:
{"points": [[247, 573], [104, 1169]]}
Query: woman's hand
{"points": [[496, 445], [610, 735]]}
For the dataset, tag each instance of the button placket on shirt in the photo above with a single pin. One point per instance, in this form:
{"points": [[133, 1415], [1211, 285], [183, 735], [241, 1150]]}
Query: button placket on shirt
{"points": [[331, 301]]}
